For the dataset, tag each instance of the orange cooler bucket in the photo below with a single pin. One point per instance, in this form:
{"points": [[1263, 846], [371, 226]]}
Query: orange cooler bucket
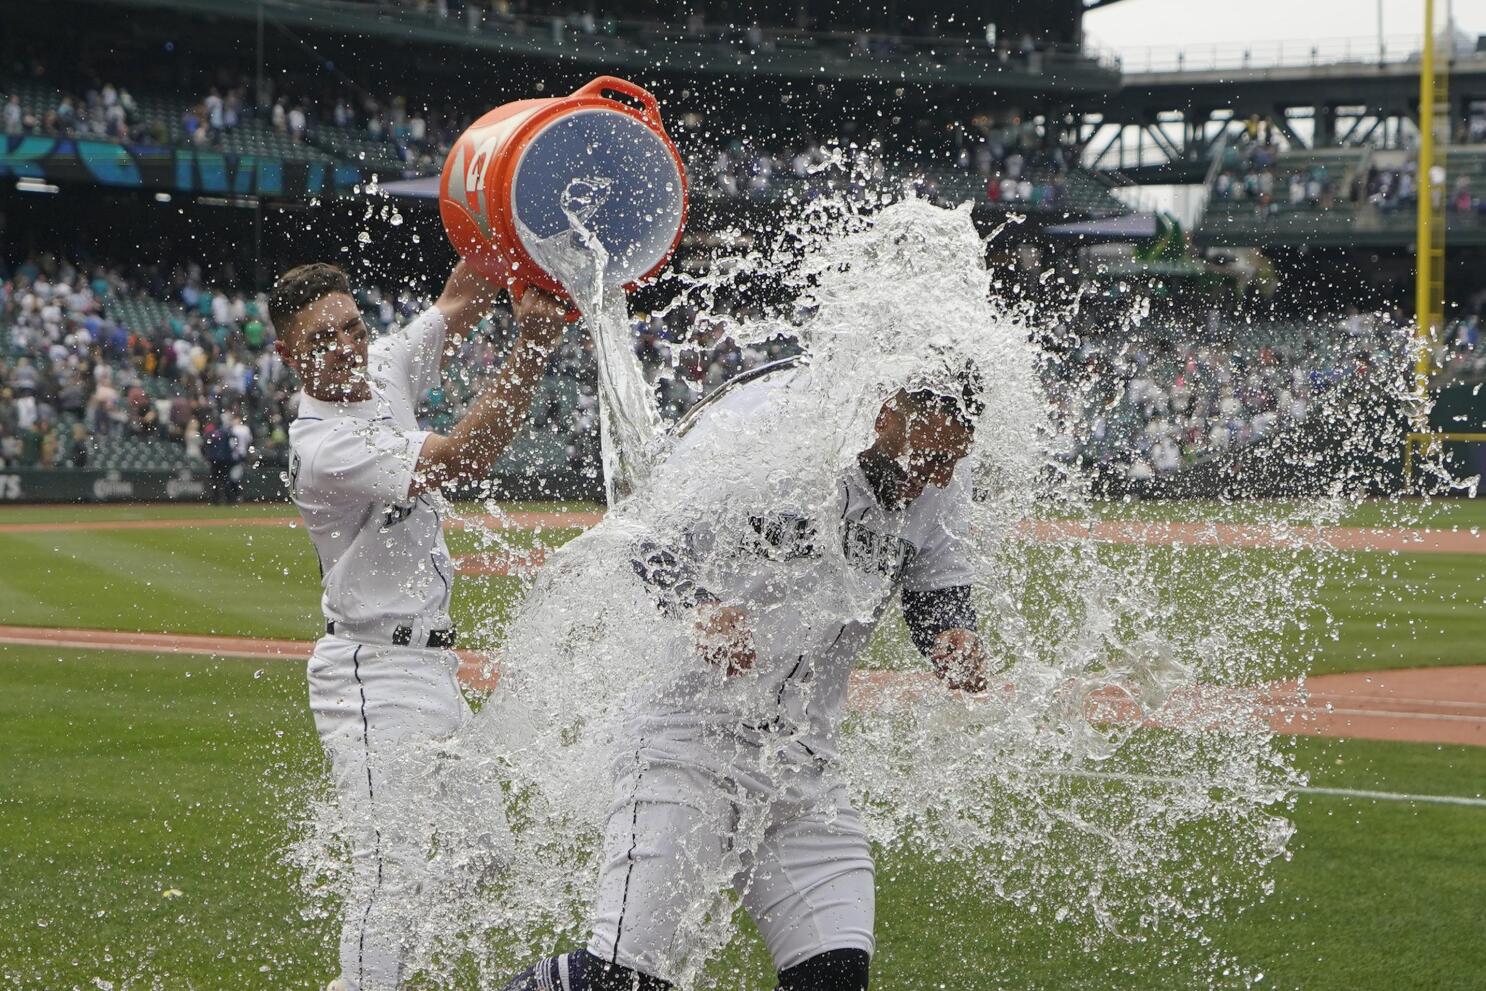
{"points": [[530, 174]]}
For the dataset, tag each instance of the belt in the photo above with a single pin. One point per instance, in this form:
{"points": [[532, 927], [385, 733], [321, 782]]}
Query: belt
{"points": [[402, 636]]}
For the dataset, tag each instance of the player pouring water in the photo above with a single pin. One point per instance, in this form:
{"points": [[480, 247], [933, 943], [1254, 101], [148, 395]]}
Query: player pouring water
{"points": [[367, 481]]}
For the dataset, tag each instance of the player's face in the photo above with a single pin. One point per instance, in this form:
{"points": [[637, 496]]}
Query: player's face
{"points": [[915, 448], [329, 349], [935, 445]]}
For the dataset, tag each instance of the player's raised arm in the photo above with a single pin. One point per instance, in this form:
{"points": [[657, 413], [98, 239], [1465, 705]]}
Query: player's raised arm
{"points": [[466, 300], [470, 449]]}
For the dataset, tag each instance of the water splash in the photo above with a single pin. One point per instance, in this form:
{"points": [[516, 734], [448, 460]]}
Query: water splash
{"points": [[1102, 825], [629, 424]]}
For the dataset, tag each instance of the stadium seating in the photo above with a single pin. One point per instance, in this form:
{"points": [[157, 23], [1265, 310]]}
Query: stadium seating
{"points": [[133, 454], [139, 312]]}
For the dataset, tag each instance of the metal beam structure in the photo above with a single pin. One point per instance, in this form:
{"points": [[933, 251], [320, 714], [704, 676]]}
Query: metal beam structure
{"points": [[1320, 106]]}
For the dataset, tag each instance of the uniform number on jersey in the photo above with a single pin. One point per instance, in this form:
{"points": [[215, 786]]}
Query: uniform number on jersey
{"points": [[782, 537]]}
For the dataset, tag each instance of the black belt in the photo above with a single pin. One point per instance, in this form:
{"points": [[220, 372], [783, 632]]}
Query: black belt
{"points": [[402, 636]]}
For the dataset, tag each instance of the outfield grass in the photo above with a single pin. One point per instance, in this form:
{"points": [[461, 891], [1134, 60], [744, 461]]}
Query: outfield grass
{"points": [[40, 513], [259, 581], [1391, 610], [129, 778], [1438, 514]]}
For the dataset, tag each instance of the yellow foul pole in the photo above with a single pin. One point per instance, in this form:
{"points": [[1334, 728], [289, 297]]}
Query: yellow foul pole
{"points": [[1430, 238]]}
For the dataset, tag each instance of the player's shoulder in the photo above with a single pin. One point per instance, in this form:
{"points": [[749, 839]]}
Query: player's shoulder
{"points": [[320, 425], [937, 502], [427, 329], [745, 392]]}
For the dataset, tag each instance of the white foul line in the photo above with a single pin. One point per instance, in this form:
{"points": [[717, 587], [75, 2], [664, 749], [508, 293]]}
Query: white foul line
{"points": [[1390, 796], [1377, 796]]}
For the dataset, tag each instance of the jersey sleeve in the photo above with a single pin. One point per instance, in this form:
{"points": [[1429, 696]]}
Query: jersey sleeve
{"points": [[362, 461], [415, 353], [942, 560]]}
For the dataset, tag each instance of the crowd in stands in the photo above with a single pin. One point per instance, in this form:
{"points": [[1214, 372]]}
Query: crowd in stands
{"points": [[105, 111], [1461, 356], [1392, 189], [195, 375], [1009, 159], [1395, 189], [419, 136], [1252, 174], [199, 378], [220, 113], [99, 353], [1013, 163], [1152, 405], [687, 354], [721, 25]]}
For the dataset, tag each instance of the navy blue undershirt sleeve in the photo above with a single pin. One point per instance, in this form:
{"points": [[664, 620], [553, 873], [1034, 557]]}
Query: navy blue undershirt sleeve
{"points": [[930, 613]]}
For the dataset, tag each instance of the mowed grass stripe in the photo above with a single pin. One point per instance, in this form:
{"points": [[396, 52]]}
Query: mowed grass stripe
{"points": [[69, 513], [231, 581], [103, 512]]}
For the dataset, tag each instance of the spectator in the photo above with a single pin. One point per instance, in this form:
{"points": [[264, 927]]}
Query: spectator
{"points": [[215, 115], [241, 439], [217, 445], [14, 118], [297, 123]]}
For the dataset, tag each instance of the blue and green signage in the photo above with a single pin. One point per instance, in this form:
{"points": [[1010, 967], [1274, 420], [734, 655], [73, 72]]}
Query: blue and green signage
{"points": [[187, 170]]}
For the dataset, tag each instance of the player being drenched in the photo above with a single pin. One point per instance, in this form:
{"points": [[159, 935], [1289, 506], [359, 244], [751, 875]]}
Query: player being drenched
{"points": [[730, 777], [367, 480]]}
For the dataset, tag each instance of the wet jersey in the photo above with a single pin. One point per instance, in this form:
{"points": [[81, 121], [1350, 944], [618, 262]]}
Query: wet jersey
{"points": [[814, 582], [382, 556]]}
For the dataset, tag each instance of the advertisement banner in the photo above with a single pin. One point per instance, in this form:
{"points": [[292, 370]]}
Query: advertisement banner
{"points": [[171, 169]]}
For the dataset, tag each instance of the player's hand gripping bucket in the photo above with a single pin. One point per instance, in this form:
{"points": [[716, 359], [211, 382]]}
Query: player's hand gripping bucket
{"points": [[531, 181]]}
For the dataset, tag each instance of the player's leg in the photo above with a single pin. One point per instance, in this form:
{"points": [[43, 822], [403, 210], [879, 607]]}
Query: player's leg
{"points": [[810, 889], [582, 971], [374, 708], [667, 856], [833, 970]]}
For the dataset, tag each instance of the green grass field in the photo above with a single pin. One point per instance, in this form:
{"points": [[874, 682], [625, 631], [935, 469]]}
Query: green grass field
{"points": [[129, 778], [1439, 514], [132, 777], [1393, 610]]}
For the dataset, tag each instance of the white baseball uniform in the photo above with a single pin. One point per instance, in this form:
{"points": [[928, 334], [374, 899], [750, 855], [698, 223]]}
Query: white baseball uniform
{"points": [[701, 781], [377, 688]]}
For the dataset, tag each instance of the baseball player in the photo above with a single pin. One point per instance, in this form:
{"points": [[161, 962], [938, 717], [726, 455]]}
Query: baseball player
{"points": [[730, 781], [366, 480]]}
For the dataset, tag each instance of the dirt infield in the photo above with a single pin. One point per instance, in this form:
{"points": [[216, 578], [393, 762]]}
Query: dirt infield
{"points": [[1420, 705], [473, 670]]}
